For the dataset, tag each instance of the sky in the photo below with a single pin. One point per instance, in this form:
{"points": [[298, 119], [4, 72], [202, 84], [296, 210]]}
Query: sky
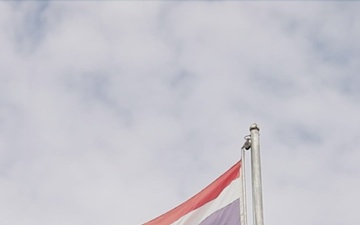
{"points": [[115, 112]]}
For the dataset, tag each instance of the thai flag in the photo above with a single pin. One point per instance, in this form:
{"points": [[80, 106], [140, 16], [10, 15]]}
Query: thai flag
{"points": [[217, 204]]}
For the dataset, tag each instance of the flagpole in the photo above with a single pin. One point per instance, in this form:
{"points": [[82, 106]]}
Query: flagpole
{"points": [[256, 176], [243, 205], [243, 199]]}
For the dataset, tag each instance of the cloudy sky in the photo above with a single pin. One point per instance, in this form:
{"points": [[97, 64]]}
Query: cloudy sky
{"points": [[115, 112]]}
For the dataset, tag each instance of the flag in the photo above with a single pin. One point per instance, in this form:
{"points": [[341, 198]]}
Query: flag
{"points": [[217, 204]]}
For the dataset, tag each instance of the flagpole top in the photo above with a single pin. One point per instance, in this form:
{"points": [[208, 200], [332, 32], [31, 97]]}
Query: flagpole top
{"points": [[254, 126]]}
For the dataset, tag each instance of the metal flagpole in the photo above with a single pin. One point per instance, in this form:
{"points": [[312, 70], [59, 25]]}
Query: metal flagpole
{"points": [[243, 200], [256, 176]]}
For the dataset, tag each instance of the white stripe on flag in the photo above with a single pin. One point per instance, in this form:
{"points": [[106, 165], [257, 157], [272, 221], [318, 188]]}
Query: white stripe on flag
{"points": [[231, 193]]}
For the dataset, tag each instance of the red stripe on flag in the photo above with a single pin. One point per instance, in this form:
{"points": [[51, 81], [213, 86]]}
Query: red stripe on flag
{"points": [[206, 195]]}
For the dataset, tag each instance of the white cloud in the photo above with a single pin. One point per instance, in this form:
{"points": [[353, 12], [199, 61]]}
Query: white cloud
{"points": [[114, 112]]}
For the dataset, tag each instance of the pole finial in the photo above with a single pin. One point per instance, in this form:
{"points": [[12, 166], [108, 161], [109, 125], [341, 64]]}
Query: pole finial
{"points": [[254, 126]]}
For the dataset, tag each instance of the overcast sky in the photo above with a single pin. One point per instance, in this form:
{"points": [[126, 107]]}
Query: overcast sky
{"points": [[115, 112]]}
